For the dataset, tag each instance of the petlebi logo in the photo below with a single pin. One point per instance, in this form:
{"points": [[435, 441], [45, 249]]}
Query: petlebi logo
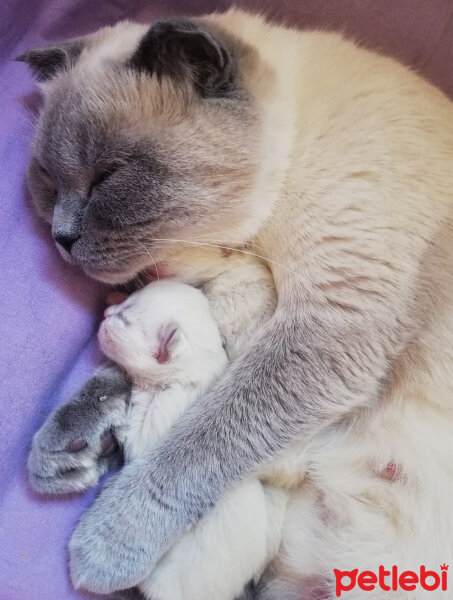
{"points": [[391, 580]]}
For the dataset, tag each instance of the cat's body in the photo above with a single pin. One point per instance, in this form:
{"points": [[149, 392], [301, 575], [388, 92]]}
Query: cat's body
{"points": [[335, 164]]}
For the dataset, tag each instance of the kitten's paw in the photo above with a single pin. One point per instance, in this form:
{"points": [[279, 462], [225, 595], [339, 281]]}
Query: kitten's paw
{"points": [[76, 445]]}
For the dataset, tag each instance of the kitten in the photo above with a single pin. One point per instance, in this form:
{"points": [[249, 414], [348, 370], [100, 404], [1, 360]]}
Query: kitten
{"points": [[335, 165]]}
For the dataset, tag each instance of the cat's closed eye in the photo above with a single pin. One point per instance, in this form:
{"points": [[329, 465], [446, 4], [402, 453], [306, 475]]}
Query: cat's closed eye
{"points": [[43, 184], [44, 174], [101, 177]]}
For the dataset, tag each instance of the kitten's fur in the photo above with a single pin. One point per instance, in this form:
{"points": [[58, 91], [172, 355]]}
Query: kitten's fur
{"points": [[337, 164]]}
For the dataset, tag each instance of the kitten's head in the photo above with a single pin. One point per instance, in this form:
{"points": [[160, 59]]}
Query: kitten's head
{"points": [[146, 134], [164, 333]]}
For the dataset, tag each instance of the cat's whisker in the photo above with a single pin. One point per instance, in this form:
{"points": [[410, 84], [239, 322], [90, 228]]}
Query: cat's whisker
{"points": [[211, 241], [151, 257], [28, 116], [204, 244], [28, 121], [18, 137]]}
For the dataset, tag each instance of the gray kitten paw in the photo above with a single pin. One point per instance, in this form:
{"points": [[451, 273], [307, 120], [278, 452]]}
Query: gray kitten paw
{"points": [[76, 445]]}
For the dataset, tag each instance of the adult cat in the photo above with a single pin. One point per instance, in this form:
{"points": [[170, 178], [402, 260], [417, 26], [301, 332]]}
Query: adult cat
{"points": [[336, 163]]}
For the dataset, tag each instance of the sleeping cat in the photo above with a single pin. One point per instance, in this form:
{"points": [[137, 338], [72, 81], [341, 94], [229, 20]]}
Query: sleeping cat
{"points": [[335, 165]]}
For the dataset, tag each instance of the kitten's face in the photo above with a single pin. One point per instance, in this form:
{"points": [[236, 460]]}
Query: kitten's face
{"points": [[162, 332], [130, 335], [122, 159]]}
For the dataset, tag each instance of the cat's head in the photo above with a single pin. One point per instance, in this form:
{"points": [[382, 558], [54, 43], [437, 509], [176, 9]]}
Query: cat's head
{"points": [[146, 134], [164, 333]]}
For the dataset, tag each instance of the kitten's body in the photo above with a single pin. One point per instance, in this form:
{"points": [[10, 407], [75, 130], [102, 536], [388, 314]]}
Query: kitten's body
{"points": [[336, 165]]}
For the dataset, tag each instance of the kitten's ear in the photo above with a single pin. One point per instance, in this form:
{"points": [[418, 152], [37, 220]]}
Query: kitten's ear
{"points": [[47, 61], [182, 48], [169, 339]]}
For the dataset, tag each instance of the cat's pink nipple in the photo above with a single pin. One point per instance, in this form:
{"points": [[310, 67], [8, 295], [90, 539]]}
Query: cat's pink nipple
{"points": [[392, 471]]}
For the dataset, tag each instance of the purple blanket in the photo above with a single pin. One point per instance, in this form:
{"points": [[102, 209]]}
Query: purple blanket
{"points": [[48, 310]]}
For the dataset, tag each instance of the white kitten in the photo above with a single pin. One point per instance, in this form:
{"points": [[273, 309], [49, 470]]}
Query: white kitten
{"points": [[168, 341]]}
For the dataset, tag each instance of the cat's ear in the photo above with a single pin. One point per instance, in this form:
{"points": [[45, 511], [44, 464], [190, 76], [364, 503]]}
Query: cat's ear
{"points": [[47, 61], [170, 340], [183, 48]]}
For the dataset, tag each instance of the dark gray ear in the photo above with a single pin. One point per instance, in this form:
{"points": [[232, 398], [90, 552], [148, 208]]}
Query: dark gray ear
{"points": [[46, 62], [183, 48]]}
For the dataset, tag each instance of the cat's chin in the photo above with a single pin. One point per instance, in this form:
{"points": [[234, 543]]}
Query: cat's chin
{"points": [[144, 276], [111, 277]]}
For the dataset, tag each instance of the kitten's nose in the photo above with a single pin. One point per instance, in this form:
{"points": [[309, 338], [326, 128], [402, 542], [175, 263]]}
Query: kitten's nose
{"points": [[110, 311], [66, 240]]}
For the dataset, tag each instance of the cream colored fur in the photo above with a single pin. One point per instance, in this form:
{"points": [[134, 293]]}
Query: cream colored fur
{"points": [[370, 161], [357, 171]]}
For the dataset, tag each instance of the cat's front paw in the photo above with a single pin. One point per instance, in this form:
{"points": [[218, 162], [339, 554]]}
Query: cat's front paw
{"points": [[119, 538], [77, 445]]}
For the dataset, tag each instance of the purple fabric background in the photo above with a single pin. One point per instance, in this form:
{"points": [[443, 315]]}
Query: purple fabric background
{"points": [[48, 310]]}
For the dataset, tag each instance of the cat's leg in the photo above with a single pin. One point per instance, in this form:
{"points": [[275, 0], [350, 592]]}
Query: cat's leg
{"points": [[230, 547], [76, 444]]}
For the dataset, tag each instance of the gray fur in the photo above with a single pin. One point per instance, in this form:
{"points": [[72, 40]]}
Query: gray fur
{"points": [[111, 187], [226, 439], [74, 447], [46, 62], [184, 49]]}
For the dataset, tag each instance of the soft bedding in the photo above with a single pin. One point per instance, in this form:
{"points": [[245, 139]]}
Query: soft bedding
{"points": [[48, 310]]}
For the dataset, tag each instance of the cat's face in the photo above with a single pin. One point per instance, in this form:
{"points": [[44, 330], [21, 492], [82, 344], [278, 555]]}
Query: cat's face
{"points": [[133, 148]]}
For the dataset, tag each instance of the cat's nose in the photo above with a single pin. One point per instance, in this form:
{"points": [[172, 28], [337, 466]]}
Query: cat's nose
{"points": [[66, 240]]}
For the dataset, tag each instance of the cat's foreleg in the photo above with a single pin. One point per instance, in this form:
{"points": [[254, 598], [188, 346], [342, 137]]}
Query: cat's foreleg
{"points": [[227, 549]]}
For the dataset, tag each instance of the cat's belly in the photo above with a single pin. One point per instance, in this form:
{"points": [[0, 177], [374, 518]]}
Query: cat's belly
{"points": [[377, 491]]}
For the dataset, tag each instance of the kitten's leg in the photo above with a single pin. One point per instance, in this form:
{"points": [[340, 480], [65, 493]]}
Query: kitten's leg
{"points": [[230, 547], [76, 444]]}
